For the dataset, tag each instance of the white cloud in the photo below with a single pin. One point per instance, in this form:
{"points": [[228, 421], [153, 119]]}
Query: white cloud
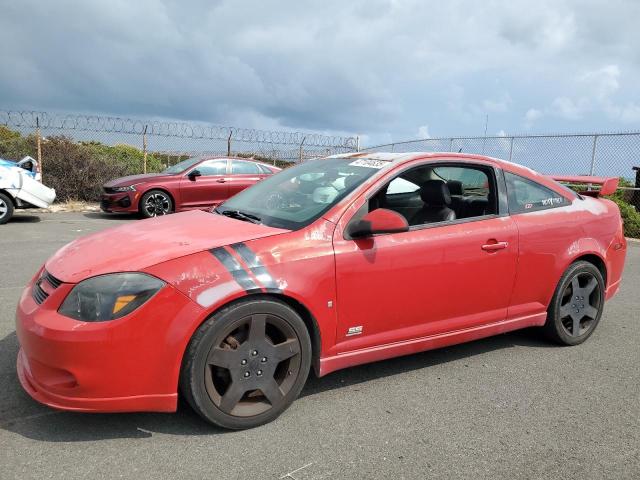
{"points": [[379, 68], [532, 115], [569, 108], [423, 132], [499, 105]]}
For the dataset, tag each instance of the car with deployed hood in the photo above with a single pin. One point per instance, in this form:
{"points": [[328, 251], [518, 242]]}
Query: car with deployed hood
{"points": [[194, 183], [332, 263]]}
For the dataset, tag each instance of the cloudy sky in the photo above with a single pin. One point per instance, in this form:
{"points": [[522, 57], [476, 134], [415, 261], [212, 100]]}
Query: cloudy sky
{"points": [[384, 69]]}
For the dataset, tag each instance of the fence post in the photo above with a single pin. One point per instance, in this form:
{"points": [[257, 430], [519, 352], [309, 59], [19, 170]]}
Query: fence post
{"points": [[144, 150], [393, 146], [358, 143], [229, 143], [39, 147], [593, 155], [511, 149], [300, 152], [451, 144]]}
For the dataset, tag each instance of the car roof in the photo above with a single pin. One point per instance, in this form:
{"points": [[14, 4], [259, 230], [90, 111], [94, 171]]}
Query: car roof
{"points": [[404, 157], [203, 158]]}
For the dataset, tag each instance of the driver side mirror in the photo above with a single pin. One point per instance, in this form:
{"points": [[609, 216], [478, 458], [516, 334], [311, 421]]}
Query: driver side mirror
{"points": [[379, 221], [193, 174]]}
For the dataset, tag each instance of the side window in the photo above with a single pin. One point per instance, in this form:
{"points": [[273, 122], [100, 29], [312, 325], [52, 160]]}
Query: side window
{"points": [[213, 167], [431, 194], [239, 167], [528, 196], [264, 169], [400, 185]]}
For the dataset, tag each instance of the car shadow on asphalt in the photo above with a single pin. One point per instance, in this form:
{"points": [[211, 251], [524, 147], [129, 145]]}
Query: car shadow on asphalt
{"points": [[22, 415], [25, 218], [111, 216]]}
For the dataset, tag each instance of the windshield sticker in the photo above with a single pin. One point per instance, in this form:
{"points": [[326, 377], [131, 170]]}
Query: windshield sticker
{"points": [[367, 162]]}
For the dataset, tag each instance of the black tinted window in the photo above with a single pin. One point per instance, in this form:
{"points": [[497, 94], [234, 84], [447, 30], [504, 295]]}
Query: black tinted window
{"points": [[526, 195], [240, 167]]}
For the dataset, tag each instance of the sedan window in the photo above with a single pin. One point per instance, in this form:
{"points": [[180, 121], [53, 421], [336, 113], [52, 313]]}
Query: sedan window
{"points": [[238, 167], [212, 167]]}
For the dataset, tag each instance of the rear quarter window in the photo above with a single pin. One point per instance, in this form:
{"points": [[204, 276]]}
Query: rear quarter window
{"points": [[528, 196]]}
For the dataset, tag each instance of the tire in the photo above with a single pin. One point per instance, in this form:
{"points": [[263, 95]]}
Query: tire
{"points": [[246, 364], [6, 209], [155, 203], [576, 307]]}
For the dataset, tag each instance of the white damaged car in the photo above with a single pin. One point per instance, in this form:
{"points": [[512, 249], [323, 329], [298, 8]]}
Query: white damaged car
{"points": [[20, 189]]}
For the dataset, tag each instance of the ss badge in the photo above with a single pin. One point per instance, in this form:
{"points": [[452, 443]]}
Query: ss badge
{"points": [[354, 331]]}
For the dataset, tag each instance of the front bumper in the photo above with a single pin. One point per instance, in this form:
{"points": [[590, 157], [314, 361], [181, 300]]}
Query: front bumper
{"points": [[129, 364], [119, 202]]}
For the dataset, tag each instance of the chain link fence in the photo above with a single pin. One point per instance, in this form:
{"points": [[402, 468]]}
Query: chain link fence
{"points": [[599, 154], [173, 141], [602, 154]]}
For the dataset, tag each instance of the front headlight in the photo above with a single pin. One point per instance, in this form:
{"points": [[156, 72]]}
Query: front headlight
{"points": [[108, 297], [130, 188]]}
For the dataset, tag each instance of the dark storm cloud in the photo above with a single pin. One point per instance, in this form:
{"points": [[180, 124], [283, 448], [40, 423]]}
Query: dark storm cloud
{"points": [[382, 68]]}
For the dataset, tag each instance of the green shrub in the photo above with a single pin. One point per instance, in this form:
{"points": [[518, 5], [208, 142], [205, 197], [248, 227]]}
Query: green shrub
{"points": [[630, 218], [126, 156], [75, 171]]}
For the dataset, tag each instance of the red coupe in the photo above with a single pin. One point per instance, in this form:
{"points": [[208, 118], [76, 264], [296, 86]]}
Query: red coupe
{"points": [[331, 263], [195, 183]]}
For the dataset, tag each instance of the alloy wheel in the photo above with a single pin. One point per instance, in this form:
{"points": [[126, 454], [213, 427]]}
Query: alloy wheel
{"points": [[3, 208], [253, 366], [157, 204], [581, 304]]}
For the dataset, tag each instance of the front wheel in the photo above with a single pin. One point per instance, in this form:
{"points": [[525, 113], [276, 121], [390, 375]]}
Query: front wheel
{"points": [[155, 203], [6, 209], [577, 304], [246, 364]]}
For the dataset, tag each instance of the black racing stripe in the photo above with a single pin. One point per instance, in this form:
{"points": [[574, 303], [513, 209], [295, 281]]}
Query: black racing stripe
{"points": [[235, 269], [256, 266]]}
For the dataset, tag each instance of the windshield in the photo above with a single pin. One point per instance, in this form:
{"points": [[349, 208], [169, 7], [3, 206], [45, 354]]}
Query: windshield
{"points": [[299, 195], [182, 166]]}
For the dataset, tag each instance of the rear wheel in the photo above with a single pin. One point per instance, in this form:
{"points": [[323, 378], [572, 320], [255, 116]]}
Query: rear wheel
{"points": [[155, 203], [6, 209], [576, 306], [246, 364]]}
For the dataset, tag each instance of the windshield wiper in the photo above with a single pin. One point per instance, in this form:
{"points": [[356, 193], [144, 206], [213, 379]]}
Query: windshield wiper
{"points": [[247, 217]]}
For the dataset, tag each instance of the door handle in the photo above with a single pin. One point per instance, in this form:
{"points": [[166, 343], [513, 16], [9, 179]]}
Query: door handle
{"points": [[221, 180], [492, 247]]}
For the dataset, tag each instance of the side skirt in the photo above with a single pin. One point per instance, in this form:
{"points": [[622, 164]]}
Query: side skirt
{"points": [[383, 352]]}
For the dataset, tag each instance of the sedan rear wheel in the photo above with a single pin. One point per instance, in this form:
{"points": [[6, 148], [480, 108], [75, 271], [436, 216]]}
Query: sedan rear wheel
{"points": [[246, 364], [155, 203], [6, 209], [577, 304]]}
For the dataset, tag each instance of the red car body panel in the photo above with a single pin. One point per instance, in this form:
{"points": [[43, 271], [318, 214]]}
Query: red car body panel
{"points": [[187, 193], [474, 279]]}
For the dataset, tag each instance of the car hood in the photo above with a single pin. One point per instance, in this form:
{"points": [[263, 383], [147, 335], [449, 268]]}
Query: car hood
{"points": [[144, 243], [133, 179]]}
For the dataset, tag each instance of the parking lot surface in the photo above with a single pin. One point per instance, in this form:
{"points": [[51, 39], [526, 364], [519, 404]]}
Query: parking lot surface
{"points": [[512, 406]]}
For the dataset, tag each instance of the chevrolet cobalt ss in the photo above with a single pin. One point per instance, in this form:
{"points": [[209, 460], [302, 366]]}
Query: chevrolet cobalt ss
{"points": [[332, 263]]}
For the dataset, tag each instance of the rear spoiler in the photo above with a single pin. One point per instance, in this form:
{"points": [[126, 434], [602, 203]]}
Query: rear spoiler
{"points": [[608, 185]]}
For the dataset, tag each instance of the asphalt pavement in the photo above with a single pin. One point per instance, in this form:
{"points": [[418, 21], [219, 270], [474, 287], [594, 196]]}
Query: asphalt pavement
{"points": [[512, 406]]}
